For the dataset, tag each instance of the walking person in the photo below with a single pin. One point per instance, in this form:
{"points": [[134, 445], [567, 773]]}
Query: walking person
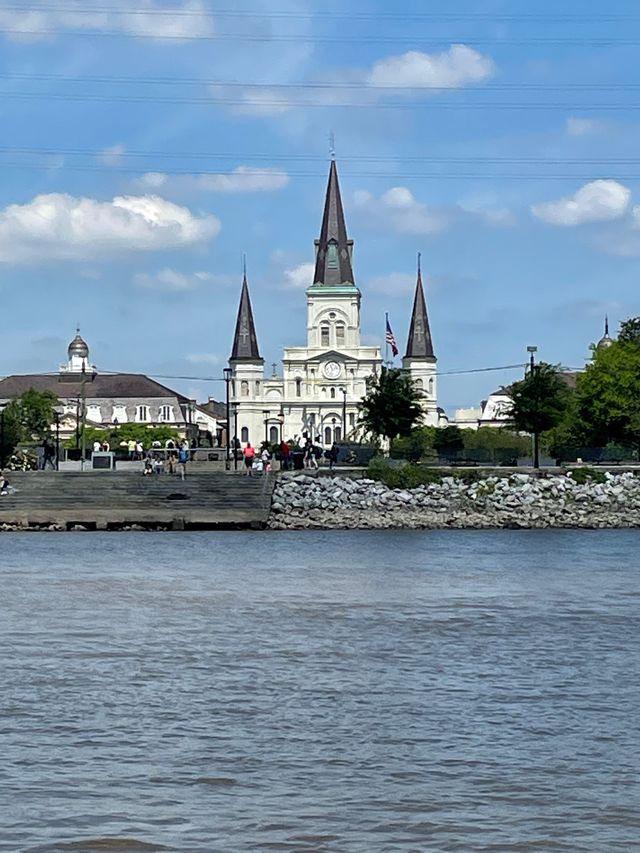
{"points": [[183, 458], [48, 454], [249, 455], [333, 455], [285, 455]]}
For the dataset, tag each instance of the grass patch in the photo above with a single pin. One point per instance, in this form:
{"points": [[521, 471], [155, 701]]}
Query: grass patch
{"points": [[410, 476], [587, 474]]}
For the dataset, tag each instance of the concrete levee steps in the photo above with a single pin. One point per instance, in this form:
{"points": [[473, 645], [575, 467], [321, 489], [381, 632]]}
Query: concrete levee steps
{"points": [[111, 500]]}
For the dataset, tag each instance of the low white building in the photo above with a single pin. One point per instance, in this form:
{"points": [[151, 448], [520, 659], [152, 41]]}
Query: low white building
{"points": [[109, 399]]}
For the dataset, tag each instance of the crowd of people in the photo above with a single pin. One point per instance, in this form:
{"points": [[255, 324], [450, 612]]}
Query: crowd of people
{"points": [[302, 452]]}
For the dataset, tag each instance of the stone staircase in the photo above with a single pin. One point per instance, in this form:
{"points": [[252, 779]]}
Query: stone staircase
{"points": [[111, 500]]}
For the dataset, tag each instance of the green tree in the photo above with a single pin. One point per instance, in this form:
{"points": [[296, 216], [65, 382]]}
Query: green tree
{"points": [[608, 396], [415, 446], [391, 406], [538, 403], [630, 331], [27, 418], [448, 441], [495, 444], [115, 435], [35, 413]]}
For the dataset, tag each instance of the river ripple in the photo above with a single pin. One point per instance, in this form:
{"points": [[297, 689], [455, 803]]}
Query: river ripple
{"points": [[365, 691]]}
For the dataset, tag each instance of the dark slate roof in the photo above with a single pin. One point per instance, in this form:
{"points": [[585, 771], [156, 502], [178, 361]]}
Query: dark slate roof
{"points": [[245, 340], [419, 342], [103, 386], [333, 249]]}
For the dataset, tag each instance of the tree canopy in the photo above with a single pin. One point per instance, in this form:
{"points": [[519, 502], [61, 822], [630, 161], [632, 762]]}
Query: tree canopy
{"points": [[28, 418], [539, 401], [392, 405], [607, 401]]}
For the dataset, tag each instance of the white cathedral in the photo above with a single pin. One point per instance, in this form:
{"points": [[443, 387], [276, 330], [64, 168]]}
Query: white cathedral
{"points": [[324, 381]]}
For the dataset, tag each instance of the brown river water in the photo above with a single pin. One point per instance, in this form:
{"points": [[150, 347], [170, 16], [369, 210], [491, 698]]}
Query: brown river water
{"points": [[330, 691]]}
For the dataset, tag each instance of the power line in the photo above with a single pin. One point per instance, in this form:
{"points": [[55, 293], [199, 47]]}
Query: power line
{"points": [[283, 103], [316, 158], [440, 175], [597, 86], [444, 41], [252, 14], [221, 378]]}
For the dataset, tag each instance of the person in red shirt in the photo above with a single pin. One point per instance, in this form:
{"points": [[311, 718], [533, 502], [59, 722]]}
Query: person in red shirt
{"points": [[249, 455]]}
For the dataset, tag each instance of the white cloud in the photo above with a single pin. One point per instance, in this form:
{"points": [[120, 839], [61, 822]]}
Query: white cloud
{"points": [[394, 284], [204, 358], [583, 126], [169, 280], [598, 201], [187, 19], [488, 209], [112, 156], [300, 277], [459, 66], [61, 227], [243, 179], [398, 209], [413, 74]]}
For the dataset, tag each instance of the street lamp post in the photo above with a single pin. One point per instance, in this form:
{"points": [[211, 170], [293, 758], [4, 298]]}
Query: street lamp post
{"points": [[536, 445], [2, 435], [227, 380], [281, 422], [333, 430], [344, 413], [56, 415], [266, 413], [235, 436]]}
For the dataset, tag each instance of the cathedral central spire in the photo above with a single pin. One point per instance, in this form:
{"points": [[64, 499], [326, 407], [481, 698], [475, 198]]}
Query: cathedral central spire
{"points": [[333, 249], [245, 340]]}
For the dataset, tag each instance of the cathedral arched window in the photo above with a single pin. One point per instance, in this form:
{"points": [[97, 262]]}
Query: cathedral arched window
{"points": [[244, 435], [431, 386], [324, 335], [298, 387], [340, 335], [419, 384], [332, 255], [257, 386], [333, 393], [337, 435], [273, 435], [327, 435], [244, 388]]}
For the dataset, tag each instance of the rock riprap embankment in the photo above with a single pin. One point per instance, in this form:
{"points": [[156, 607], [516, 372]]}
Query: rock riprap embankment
{"points": [[520, 500]]}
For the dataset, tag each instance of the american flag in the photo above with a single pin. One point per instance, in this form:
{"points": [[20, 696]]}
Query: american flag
{"points": [[391, 340]]}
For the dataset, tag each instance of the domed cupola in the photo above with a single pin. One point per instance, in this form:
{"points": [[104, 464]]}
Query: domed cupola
{"points": [[605, 341], [78, 352]]}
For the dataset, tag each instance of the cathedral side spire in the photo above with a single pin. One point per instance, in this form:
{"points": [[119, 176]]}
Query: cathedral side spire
{"points": [[245, 340], [333, 249], [419, 342]]}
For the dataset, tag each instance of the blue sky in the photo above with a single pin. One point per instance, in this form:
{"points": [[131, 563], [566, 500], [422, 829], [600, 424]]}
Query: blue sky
{"points": [[147, 145]]}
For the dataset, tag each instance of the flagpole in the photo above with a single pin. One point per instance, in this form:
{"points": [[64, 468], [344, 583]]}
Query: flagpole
{"points": [[386, 339]]}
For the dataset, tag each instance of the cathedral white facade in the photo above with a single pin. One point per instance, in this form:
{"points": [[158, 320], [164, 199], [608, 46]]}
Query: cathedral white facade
{"points": [[323, 382]]}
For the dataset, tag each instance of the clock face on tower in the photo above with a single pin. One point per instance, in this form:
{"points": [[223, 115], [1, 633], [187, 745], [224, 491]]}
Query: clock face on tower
{"points": [[332, 370]]}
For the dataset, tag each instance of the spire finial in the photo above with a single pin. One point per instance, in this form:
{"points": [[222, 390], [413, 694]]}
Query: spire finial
{"points": [[244, 265], [419, 263], [332, 145], [606, 324]]}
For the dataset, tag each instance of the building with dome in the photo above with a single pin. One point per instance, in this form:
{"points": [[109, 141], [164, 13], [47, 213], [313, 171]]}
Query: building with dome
{"points": [[322, 382], [108, 399]]}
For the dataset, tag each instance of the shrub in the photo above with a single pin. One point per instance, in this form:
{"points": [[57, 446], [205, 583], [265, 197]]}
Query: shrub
{"points": [[587, 475]]}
